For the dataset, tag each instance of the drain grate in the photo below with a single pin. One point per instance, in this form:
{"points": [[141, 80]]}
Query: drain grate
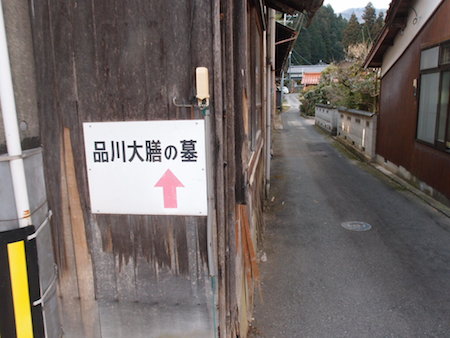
{"points": [[356, 226]]}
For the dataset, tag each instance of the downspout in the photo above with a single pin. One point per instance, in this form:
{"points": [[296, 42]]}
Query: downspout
{"points": [[270, 94], [12, 135]]}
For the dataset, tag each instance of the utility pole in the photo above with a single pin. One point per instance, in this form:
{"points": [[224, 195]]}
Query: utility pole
{"points": [[289, 72]]}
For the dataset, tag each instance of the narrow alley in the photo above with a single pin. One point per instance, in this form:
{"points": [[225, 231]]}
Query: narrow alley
{"points": [[322, 280]]}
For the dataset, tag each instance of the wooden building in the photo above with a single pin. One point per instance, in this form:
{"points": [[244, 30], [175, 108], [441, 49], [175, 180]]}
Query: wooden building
{"points": [[95, 61], [413, 52]]}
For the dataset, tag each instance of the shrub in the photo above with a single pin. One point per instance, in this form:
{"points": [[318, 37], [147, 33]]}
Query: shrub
{"points": [[345, 84]]}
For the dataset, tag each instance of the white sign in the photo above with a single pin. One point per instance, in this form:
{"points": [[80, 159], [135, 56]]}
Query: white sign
{"points": [[146, 168]]}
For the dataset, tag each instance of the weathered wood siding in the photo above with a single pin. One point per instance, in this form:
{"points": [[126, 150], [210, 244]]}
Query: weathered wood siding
{"points": [[112, 61], [102, 60]]}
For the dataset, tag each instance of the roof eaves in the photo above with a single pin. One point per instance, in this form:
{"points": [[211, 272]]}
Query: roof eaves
{"points": [[396, 18], [285, 40], [292, 6]]}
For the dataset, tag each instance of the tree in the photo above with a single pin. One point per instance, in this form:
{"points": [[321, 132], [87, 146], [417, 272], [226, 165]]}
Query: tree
{"points": [[348, 84], [345, 84], [322, 40], [379, 23], [368, 27], [352, 33], [310, 97]]}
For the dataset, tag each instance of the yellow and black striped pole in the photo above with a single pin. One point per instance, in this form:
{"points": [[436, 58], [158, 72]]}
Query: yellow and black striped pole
{"points": [[20, 306]]}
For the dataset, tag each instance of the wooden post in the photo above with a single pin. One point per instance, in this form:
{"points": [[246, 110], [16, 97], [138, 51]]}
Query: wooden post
{"points": [[240, 97], [217, 110], [230, 173]]}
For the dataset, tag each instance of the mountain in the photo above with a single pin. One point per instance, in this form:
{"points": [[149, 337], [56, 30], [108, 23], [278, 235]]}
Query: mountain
{"points": [[359, 13]]}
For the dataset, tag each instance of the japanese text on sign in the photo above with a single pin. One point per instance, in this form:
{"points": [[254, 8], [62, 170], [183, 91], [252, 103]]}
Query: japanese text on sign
{"points": [[148, 167], [150, 151]]}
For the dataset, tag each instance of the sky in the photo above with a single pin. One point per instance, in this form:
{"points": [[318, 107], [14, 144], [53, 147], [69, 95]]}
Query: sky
{"points": [[341, 5]]}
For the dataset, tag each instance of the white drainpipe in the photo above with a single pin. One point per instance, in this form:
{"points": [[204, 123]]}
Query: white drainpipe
{"points": [[12, 135]]}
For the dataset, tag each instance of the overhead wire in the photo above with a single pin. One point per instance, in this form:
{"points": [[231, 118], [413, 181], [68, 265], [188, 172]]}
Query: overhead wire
{"points": [[298, 54]]}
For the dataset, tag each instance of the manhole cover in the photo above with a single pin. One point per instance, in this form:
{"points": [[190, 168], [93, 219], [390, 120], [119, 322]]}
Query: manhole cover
{"points": [[356, 226]]}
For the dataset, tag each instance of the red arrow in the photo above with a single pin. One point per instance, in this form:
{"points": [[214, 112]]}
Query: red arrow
{"points": [[169, 182]]}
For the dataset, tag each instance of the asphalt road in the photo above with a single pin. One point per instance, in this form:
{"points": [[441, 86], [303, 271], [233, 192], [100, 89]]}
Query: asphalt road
{"points": [[321, 280]]}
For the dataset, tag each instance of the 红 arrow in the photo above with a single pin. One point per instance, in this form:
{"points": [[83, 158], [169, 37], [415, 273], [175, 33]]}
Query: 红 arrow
{"points": [[169, 182]]}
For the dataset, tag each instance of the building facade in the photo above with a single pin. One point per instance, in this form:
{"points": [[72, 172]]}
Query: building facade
{"points": [[94, 62], [414, 124]]}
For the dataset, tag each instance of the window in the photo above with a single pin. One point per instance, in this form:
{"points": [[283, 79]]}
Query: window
{"points": [[256, 77], [433, 124]]}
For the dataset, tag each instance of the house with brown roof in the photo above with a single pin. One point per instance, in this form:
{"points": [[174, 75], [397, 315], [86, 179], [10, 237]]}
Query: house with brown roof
{"points": [[413, 54], [310, 79]]}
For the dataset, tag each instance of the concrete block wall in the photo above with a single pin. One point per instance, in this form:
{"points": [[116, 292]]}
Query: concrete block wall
{"points": [[358, 129], [326, 117]]}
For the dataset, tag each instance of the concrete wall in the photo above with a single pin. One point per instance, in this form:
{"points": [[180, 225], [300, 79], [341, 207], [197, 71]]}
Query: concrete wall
{"points": [[358, 129], [416, 182], [354, 127], [20, 47], [327, 118]]}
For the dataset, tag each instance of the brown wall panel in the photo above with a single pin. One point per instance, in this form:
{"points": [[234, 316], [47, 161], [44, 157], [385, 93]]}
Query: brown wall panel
{"points": [[397, 125]]}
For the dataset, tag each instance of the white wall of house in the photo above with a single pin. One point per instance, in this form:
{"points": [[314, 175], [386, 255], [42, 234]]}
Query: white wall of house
{"points": [[424, 9]]}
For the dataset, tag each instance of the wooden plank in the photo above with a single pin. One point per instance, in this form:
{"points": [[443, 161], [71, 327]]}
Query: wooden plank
{"points": [[82, 256], [50, 122], [250, 265], [66, 95], [217, 111], [249, 247], [71, 312], [107, 47], [131, 45], [103, 258], [85, 60], [230, 172], [85, 278], [245, 114], [240, 104]]}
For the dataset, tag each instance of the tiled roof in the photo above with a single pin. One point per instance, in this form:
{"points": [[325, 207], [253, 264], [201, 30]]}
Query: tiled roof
{"points": [[310, 79]]}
